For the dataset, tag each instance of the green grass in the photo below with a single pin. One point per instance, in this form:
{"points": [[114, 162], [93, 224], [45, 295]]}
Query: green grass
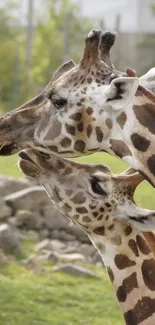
{"points": [[55, 298]]}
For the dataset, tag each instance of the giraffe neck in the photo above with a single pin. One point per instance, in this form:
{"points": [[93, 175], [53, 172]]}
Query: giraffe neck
{"points": [[135, 126], [131, 268]]}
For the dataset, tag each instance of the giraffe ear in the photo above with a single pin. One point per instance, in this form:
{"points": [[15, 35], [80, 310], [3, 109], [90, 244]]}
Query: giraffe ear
{"points": [[63, 69], [121, 91]]}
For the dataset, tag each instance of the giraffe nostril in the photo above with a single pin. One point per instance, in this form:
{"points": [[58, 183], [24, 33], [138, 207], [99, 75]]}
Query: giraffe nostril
{"points": [[24, 155]]}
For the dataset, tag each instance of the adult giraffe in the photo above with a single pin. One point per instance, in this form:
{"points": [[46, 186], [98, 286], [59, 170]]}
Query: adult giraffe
{"points": [[102, 205], [87, 108]]}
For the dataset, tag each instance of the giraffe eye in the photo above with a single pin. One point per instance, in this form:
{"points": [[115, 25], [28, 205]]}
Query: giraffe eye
{"points": [[95, 186], [58, 102]]}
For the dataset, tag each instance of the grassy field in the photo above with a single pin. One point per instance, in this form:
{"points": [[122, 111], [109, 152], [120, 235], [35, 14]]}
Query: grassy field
{"points": [[54, 298]]}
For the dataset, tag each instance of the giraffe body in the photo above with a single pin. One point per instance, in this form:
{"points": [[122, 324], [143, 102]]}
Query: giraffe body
{"points": [[102, 205]]}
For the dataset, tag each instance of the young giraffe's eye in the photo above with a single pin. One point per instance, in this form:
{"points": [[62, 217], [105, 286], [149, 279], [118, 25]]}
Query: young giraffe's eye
{"points": [[95, 186]]}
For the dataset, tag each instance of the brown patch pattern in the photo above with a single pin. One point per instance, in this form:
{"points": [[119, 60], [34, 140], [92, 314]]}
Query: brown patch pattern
{"points": [[148, 272], [120, 148], [70, 129], [81, 210], [99, 134], [99, 231], [121, 119], [146, 116], [122, 261], [80, 127], [89, 110], [139, 142], [89, 130], [128, 230], [79, 198], [76, 116], [127, 286], [86, 219], [144, 309], [79, 146], [66, 142], [151, 164], [133, 246], [109, 123], [142, 244]]}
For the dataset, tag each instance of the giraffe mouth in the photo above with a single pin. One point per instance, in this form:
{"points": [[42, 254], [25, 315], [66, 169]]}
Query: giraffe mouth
{"points": [[8, 149], [27, 165]]}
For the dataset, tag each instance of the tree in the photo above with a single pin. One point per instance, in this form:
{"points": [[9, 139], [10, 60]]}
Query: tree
{"points": [[11, 41], [59, 29], [49, 47]]}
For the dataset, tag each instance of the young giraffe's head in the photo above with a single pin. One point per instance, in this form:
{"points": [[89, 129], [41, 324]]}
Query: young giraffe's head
{"points": [[71, 117], [102, 205], [90, 195]]}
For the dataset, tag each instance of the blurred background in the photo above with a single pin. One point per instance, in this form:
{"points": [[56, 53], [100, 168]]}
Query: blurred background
{"points": [[36, 37]]}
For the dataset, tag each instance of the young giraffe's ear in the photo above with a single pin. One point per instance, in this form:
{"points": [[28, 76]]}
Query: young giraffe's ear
{"points": [[63, 69], [121, 91], [130, 178]]}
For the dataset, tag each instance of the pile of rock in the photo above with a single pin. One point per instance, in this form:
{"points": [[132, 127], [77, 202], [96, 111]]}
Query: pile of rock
{"points": [[27, 212]]}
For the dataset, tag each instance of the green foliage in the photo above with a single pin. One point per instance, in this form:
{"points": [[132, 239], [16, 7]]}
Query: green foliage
{"points": [[17, 83], [48, 50]]}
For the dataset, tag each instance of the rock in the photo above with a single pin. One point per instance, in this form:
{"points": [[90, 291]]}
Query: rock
{"points": [[78, 233], [9, 239], [54, 234], [44, 233], [57, 245], [86, 250], [96, 259], [34, 198], [71, 258], [64, 236], [10, 185], [5, 210], [33, 236], [52, 245], [33, 263], [54, 219], [75, 270], [29, 220], [51, 256], [44, 244]]}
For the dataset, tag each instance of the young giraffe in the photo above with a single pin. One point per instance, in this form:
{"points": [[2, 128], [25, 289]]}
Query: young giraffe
{"points": [[102, 205], [86, 108]]}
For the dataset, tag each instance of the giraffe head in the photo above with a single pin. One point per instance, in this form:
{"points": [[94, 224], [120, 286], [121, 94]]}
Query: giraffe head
{"points": [[90, 195], [72, 115]]}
